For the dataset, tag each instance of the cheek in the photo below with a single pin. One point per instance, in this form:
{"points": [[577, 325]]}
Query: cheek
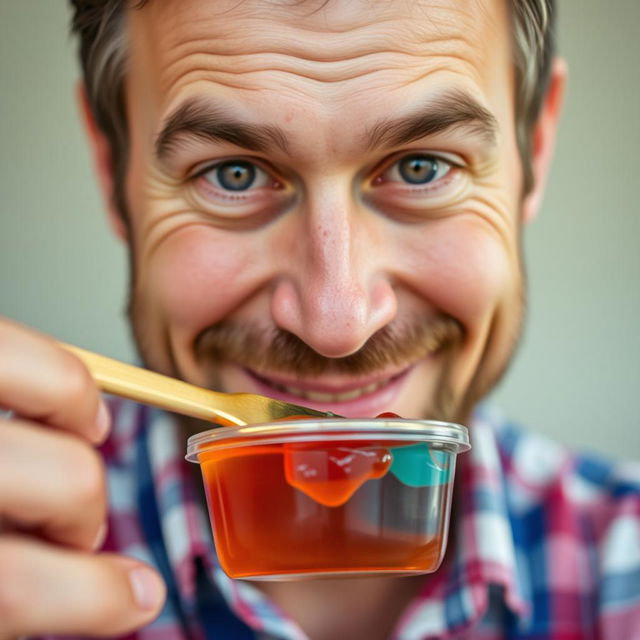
{"points": [[463, 269], [197, 275]]}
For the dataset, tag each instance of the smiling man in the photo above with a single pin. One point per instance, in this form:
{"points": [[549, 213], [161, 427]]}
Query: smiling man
{"points": [[350, 176], [323, 203]]}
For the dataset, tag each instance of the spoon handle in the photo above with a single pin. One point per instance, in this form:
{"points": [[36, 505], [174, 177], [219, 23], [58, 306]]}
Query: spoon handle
{"points": [[148, 387]]}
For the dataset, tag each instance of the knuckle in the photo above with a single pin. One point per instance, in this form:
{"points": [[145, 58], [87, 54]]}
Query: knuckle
{"points": [[88, 475]]}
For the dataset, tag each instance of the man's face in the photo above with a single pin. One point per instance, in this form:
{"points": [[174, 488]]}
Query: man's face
{"points": [[324, 199]]}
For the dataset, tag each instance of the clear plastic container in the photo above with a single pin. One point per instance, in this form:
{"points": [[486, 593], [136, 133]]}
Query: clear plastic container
{"points": [[326, 498]]}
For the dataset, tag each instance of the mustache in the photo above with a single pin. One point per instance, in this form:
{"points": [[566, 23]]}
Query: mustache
{"points": [[279, 351]]}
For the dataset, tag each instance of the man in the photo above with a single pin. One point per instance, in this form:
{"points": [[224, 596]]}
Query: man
{"points": [[323, 202]]}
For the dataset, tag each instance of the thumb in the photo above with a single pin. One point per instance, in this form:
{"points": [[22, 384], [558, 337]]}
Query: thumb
{"points": [[49, 590]]}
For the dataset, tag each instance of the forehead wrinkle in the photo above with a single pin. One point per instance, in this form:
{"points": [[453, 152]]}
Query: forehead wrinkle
{"points": [[390, 54], [403, 77], [311, 46], [243, 44], [344, 66], [340, 66], [243, 71], [243, 20], [248, 80], [331, 17]]}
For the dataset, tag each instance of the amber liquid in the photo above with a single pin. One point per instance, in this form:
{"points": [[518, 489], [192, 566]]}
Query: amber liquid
{"points": [[342, 518]]}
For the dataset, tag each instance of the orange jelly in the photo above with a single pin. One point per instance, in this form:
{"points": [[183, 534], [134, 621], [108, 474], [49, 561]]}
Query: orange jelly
{"points": [[311, 508]]}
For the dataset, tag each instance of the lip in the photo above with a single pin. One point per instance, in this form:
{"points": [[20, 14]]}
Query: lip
{"points": [[365, 406]]}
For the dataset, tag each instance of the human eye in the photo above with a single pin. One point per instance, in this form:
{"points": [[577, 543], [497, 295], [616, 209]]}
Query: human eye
{"points": [[414, 184], [416, 170], [238, 188], [235, 176]]}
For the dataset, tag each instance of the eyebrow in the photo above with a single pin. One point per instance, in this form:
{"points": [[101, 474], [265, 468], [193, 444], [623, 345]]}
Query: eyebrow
{"points": [[198, 118], [453, 109]]}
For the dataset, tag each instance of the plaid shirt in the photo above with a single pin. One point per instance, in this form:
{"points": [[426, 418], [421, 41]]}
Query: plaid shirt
{"points": [[546, 544]]}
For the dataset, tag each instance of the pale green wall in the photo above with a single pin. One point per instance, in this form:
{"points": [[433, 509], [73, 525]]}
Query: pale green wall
{"points": [[577, 375]]}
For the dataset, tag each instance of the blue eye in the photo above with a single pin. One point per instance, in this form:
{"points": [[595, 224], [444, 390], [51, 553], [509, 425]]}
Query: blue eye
{"points": [[236, 175], [417, 169]]}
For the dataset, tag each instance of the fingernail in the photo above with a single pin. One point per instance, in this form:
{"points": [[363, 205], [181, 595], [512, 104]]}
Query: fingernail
{"points": [[103, 421], [147, 588], [100, 537]]}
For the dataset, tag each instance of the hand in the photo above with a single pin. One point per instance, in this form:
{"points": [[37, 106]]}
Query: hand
{"points": [[53, 502]]}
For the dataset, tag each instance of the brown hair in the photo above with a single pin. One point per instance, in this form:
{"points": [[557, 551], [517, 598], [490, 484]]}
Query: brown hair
{"points": [[99, 25]]}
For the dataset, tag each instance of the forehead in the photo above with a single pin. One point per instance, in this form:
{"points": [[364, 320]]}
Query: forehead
{"points": [[327, 40], [327, 56], [348, 24]]}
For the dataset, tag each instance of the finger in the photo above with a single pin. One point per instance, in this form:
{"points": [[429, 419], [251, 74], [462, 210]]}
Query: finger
{"points": [[48, 590], [53, 482], [39, 380]]}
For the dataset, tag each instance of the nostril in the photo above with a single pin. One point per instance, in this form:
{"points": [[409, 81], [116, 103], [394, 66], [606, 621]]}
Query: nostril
{"points": [[286, 307], [334, 321], [384, 303]]}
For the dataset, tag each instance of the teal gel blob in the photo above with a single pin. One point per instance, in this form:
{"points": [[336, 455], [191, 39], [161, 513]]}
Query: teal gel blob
{"points": [[417, 466]]}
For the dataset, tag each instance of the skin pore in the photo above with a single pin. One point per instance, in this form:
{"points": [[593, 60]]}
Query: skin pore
{"points": [[338, 182]]}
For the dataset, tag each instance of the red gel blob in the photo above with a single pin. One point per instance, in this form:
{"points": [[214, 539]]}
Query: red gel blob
{"points": [[330, 475]]}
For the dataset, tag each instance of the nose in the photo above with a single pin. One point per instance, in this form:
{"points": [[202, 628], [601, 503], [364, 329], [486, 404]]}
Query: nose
{"points": [[336, 290]]}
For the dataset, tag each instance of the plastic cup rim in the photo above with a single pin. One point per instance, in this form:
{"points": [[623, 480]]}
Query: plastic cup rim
{"points": [[448, 435]]}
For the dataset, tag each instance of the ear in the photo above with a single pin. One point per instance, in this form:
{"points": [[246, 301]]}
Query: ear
{"points": [[101, 155], [544, 137]]}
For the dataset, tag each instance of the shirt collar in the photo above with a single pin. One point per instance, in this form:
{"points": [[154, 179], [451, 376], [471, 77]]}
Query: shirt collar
{"points": [[481, 554]]}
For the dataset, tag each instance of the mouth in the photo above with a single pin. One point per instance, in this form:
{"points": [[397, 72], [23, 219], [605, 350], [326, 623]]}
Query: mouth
{"points": [[348, 397]]}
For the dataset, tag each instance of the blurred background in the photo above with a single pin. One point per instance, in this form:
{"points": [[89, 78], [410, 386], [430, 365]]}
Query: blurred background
{"points": [[577, 372]]}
